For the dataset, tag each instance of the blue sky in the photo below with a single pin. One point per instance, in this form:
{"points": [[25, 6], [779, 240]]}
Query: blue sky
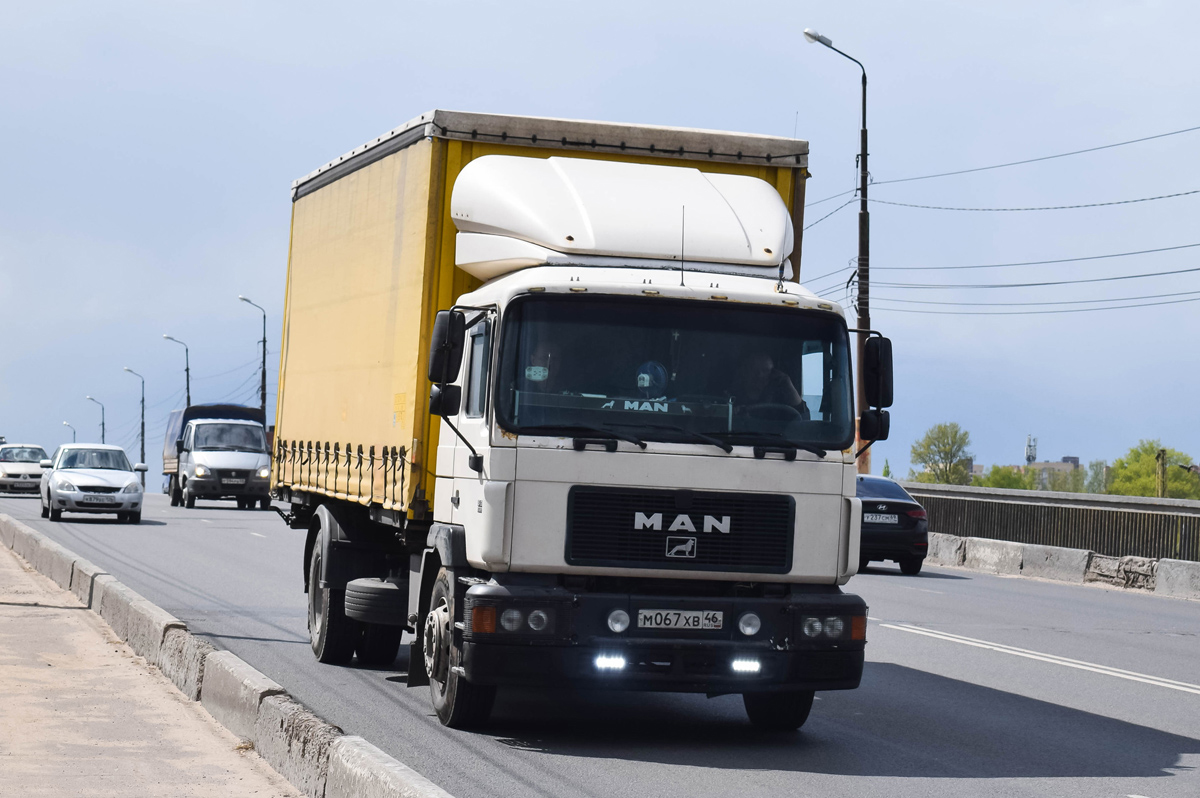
{"points": [[149, 148]]}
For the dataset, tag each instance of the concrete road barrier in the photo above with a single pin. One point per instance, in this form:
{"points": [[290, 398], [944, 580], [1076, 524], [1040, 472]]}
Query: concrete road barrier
{"points": [[993, 556], [83, 575], [1055, 562], [358, 769], [1122, 571], [55, 562], [27, 541], [295, 742], [181, 659], [1178, 578], [946, 549], [135, 620], [8, 530], [232, 692]]}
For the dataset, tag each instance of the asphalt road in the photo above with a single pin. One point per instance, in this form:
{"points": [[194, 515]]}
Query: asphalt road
{"points": [[975, 685]]}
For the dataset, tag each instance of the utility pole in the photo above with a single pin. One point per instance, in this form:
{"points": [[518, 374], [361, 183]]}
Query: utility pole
{"points": [[90, 399], [187, 370], [264, 355], [864, 248], [1160, 474], [142, 434]]}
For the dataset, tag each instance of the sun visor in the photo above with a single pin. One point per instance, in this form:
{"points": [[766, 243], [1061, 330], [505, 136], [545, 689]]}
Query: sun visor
{"points": [[576, 207]]}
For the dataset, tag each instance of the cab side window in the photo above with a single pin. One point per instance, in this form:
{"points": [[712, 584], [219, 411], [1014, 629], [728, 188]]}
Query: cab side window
{"points": [[479, 350]]}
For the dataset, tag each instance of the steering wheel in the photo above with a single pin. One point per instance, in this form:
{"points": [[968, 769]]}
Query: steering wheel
{"points": [[770, 411]]}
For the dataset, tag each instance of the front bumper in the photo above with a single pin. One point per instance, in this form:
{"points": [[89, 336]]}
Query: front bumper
{"points": [[19, 484], [114, 502], [672, 660], [213, 488]]}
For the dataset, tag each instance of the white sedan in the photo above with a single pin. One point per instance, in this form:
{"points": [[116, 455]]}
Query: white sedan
{"points": [[91, 478], [19, 467]]}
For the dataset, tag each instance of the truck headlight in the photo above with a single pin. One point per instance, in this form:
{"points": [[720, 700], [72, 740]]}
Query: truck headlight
{"points": [[511, 620], [202, 471], [264, 472]]}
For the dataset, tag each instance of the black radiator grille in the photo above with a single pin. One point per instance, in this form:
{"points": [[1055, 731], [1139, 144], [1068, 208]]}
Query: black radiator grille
{"points": [[603, 529]]}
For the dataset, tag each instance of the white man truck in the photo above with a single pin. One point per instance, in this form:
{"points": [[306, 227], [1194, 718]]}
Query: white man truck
{"points": [[551, 400]]}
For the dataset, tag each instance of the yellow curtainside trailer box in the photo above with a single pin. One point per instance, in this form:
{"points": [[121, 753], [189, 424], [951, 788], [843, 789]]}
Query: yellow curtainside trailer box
{"points": [[372, 260]]}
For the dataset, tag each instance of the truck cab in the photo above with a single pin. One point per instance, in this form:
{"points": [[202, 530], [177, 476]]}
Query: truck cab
{"points": [[225, 458]]}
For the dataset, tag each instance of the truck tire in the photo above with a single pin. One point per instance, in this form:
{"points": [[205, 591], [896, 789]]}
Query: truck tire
{"points": [[332, 635], [377, 601], [263, 504], [911, 566], [379, 645], [176, 493], [778, 711], [458, 703], [188, 498]]}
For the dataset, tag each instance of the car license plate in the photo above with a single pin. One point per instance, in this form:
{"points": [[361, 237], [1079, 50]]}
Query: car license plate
{"points": [[97, 500], [881, 518], [680, 619], [233, 481]]}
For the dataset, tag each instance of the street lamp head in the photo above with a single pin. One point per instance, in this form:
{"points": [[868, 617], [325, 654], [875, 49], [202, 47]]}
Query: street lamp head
{"points": [[243, 298], [65, 424], [126, 368], [90, 399], [816, 38]]}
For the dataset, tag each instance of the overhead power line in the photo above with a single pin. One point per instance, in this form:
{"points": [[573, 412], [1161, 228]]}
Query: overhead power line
{"points": [[1056, 302], [1035, 285], [826, 216], [1010, 163], [1033, 312], [1039, 208]]}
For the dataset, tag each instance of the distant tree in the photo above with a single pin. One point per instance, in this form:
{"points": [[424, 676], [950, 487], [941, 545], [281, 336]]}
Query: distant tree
{"points": [[1006, 477], [1066, 481], [1097, 478], [887, 469], [943, 453], [1134, 474]]}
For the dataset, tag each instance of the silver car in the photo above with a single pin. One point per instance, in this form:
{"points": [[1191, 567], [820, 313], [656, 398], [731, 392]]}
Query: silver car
{"points": [[91, 478], [20, 467]]}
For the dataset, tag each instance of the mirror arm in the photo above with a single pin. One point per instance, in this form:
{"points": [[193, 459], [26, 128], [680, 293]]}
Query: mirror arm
{"points": [[861, 451], [474, 462]]}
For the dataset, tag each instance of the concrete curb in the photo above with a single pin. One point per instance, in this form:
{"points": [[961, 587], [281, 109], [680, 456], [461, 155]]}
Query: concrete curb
{"points": [[1166, 577], [358, 769], [295, 742], [312, 754], [233, 692]]}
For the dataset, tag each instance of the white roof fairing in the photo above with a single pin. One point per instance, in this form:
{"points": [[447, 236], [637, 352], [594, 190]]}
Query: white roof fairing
{"points": [[583, 208]]}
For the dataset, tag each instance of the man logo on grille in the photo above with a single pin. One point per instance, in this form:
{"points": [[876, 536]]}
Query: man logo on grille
{"points": [[681, 547]]}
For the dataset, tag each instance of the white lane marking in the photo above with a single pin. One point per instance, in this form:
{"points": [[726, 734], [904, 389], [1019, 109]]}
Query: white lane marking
{"points": [[257, 535], [205, 520], [1053, 659]]}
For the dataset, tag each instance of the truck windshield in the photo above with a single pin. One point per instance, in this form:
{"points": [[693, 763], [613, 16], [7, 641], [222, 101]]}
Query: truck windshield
{"points": [[231, 437], [676, 371]]}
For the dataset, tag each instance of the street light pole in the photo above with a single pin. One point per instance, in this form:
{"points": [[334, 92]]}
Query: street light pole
{"points": [[264, 354], [187, 369], [864, 246], [65, 424], [97, 401], [142, 434]]}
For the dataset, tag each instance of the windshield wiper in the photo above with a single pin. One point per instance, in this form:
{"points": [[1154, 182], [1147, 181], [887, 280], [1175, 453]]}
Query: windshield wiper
{"points": [[698, 437], [774, 437], [604, 432]]}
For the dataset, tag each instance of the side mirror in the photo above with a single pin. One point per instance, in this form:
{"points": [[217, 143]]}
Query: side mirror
{"points": [[179, 446], [874, 425], [140, 467], [46, 463], [877, 373], [444, 400], [446, 346]]}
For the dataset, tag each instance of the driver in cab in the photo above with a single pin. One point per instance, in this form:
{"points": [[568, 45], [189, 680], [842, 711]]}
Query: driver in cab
{"points": [[756, 381]]}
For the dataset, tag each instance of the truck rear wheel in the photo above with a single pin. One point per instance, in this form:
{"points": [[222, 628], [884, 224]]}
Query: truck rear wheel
{"points": [[458, 703], [378, 645], [176, 493], [778, 711], [332, 635]]}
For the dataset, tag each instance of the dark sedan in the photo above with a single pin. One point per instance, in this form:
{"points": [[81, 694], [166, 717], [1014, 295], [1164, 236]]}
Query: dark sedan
{"points": [[894, 526]]}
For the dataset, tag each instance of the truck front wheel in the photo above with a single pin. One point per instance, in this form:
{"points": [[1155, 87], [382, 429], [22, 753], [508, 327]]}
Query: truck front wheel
{"points": [[458, 703], [332, 635], [176, 493], [778, 711]]}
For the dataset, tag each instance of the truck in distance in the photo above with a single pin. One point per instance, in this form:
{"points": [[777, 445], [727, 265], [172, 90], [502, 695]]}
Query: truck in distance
{"points": [[217, 451], [551, 400]]}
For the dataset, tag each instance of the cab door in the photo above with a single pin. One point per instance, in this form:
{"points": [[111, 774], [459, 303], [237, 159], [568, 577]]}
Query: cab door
{"points": [[481, 500]]}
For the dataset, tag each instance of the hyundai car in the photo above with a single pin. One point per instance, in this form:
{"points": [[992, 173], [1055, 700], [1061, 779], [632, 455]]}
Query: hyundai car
{"points": [[894, 525]]}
